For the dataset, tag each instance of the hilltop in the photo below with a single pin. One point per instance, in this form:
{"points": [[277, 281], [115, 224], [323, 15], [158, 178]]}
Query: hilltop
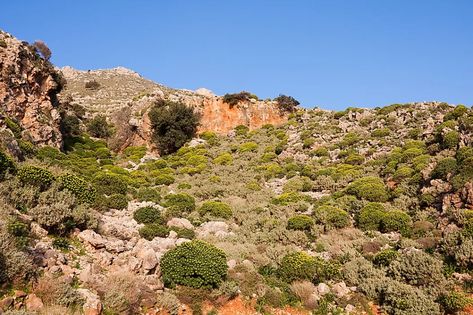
{"points": [[263, 209]]}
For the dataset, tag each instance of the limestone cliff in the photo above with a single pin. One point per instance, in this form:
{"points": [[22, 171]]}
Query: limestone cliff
{"points": [[126, 97], [28, 88]]}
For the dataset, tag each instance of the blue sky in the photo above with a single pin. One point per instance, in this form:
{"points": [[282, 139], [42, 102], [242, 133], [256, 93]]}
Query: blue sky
{"points": [[332, 54]]}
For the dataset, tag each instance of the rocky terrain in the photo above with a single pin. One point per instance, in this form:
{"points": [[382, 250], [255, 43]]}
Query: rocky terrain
{"points": [[261, 211]]}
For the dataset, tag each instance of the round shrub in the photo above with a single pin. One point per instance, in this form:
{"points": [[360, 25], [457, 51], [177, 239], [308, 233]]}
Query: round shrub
{"points": [[150, 231], [6, 164], [224, 159], [444, 167], [451, 140], [79, 187], [178, 204], [147, 215], [183, 232], [332, 217], [117, 201], [36, 176], [455, 301], [173, 124], [371, 216], [99, 128], [164, 179], [110, 184], [216, 209], [385, 257], [300, 222], [396, 221], [298, 266], [287, 198], [369, 188], [147, 194], [247, 147], [194, 264]]}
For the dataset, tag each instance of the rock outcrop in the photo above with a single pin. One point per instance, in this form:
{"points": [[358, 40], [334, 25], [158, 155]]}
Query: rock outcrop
{"points": [[28, 88], [124, 96]]}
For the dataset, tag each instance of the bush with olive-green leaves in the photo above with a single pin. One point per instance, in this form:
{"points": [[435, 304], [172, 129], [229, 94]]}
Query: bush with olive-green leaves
{"points": [[332, 217], [6, 164], [109, 184], [36, 176], [300, 222], [194, 264], [152, 230], [216, 209], [79, 187], [147, 215], [369, 188]]}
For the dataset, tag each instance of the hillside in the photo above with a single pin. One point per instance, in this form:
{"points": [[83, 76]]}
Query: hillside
{"points": [[361, 211]]}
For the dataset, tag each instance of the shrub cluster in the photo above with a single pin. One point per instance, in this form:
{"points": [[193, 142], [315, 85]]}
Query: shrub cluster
{"points": [[235, 98], [36, 176], [147, 215], [332, 217], [373, 216], [300, 222], [287, 103], [6, 164], [179, 204], [79, 187], [109, 184], [369, 188], [98, 127], [216, 209]]}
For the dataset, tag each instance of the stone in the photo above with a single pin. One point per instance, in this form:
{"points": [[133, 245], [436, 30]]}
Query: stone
{"points": [[19, 294], [340, 289], [37, 230], [323, 289], [180, 223], [6, 303], [33, 303], [92, 305], [94, 239]]}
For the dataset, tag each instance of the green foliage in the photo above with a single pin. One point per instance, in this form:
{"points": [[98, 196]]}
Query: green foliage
{"points": [[287, 198], [6, 164], [444, 167], [332, 217], [369, 188], [235, 98], [164, 179], [183, 232], [300, 222], [216, 209], [79, 187], [301, 266], [148, 194], [147, 215], [321, 151], [455, 301], [451, 140], [36, 176], [350, 139], [380, 133], [179, 204], [286, 103], [117, 201], [98, 127], [241, 130], [371, 216], [195, 264], [13, 126], [108, 183], [152, 230], [396, 220], [385, 257], [224, 159], [247, 147], [70, 126], [173, 125]]}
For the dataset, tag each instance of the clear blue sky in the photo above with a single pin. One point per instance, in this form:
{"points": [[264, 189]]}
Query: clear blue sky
{"points": [[331, 54]]}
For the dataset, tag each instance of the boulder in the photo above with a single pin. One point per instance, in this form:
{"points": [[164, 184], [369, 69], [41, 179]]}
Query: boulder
{"points": [[92, 305], [33, 303], [94, 239]]}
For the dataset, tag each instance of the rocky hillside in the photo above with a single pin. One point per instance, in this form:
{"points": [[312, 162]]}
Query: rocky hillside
{"points": [[28, 88], [124, 96], [362, 211]]}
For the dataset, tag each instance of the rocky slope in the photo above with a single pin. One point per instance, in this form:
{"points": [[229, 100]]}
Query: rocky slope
{"points": [[124, 96], [28, 88]]}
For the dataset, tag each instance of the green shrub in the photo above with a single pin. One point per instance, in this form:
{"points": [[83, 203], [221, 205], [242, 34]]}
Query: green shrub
{"points": [[444, 167], [179, 204], [287, 198], [350, 139], [36, 176], [385, 257], [173, 124], [397, 221], [13, 126], [183, 232], [117, 201], [371, 216], [300, 222], [286, 103], [6, 164], [451, 140], [241, 130], [18, 228], [79, 187], [224, 159], [148, 194], [98, 127], [235, 98], [403, 172], [354, 159], [195, 264], [152, 230], [322, 151], [369, 188], [164, 179], [332, 217], [247, 147], [380, 133], [307, 143], [109, 184], [147, 215], [216, 209], [301, 266], [455, 301], [70, 126]]}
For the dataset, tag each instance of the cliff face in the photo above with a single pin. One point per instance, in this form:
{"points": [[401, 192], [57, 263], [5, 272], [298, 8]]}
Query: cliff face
{"points": [[28, 87], [125, 97]]}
